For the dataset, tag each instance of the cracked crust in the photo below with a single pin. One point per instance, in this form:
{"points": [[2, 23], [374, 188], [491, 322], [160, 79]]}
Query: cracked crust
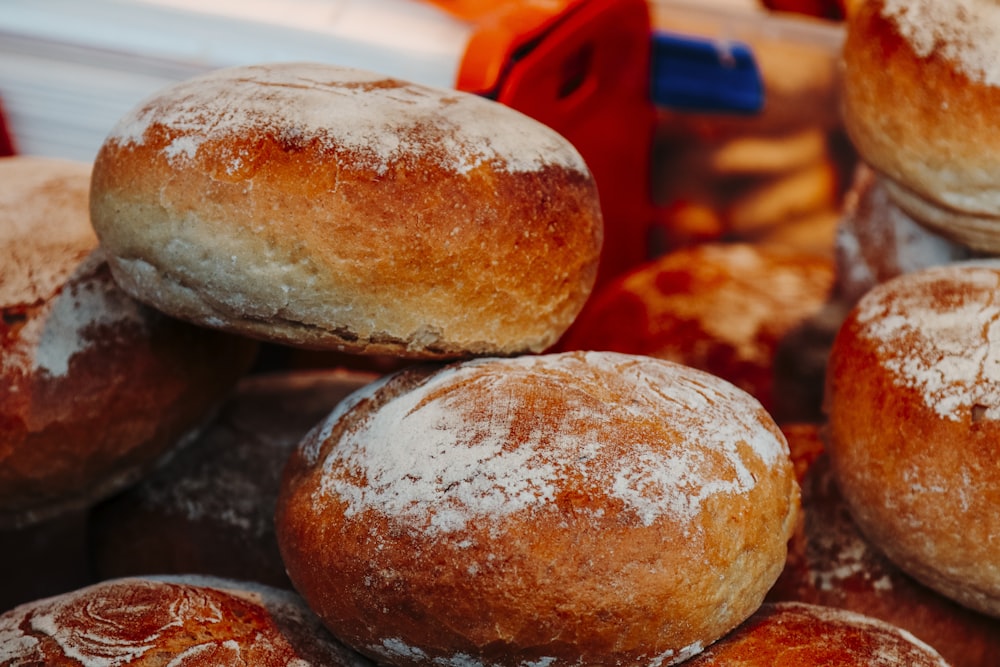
{"points": [[919, 353], [181, 620], [328, 208]]}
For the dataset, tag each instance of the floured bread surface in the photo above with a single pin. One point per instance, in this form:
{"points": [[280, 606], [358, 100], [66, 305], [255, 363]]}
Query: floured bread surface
{"points": [[914, 411], [94, 386], [333, 208], [576, 508], [170, 620], [920, 85], [789, 633]]}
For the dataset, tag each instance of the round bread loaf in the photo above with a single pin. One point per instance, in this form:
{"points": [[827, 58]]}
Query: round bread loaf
{"points": [[876, 240], [189, 621], [564, 509], [792, 634], [920, 88], [830, 563], [210, 509], [94, 386], [914, 425], [332, 208], [734, 310]]}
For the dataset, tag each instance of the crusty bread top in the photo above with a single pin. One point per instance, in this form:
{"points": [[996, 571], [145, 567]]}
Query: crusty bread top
{"points": [[648, 438], [936, 332], [294, 101], [180, 620]]}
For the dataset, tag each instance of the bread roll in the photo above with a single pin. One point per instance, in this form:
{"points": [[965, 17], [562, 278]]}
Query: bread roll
{"points": [[801, 635], [94, 387], [831, 563], [331, 208], [565, 509], [920, 89], [210, 510], [190, 621], [913, 401], [729, 309]]}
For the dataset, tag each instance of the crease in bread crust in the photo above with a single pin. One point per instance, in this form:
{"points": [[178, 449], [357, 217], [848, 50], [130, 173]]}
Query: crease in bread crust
{"points": [[186, 300]]}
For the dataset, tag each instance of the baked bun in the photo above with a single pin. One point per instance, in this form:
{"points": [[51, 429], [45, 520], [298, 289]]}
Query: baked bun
{"points": [[332, 208], [876, 240], [94, 387], [920, 90], [565, 509], [210, 509], [729, 309], [913, 406], [799, 635], [830, 563], [192, 621]]}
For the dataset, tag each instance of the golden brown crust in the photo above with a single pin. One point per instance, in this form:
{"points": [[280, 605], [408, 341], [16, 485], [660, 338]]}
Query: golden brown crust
{"points": [[428, 227], [177, 620], [799, 635], [913, 405], [94, 387], [830, 563], [919, 101], [738, 311], [580, 508]]}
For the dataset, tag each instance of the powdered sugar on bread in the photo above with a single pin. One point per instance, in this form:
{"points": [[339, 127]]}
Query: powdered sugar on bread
{"points": [[378, 119], [938, 332], [962, 31], [470, 446]]}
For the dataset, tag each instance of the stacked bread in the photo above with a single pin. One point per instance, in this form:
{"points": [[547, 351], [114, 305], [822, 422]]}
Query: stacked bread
{"points": [[920, 80], [898, 510], [509, 507], [498, 500]]}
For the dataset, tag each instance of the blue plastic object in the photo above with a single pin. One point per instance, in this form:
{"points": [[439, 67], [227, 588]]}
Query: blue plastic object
{"points": [[694, 74]]}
